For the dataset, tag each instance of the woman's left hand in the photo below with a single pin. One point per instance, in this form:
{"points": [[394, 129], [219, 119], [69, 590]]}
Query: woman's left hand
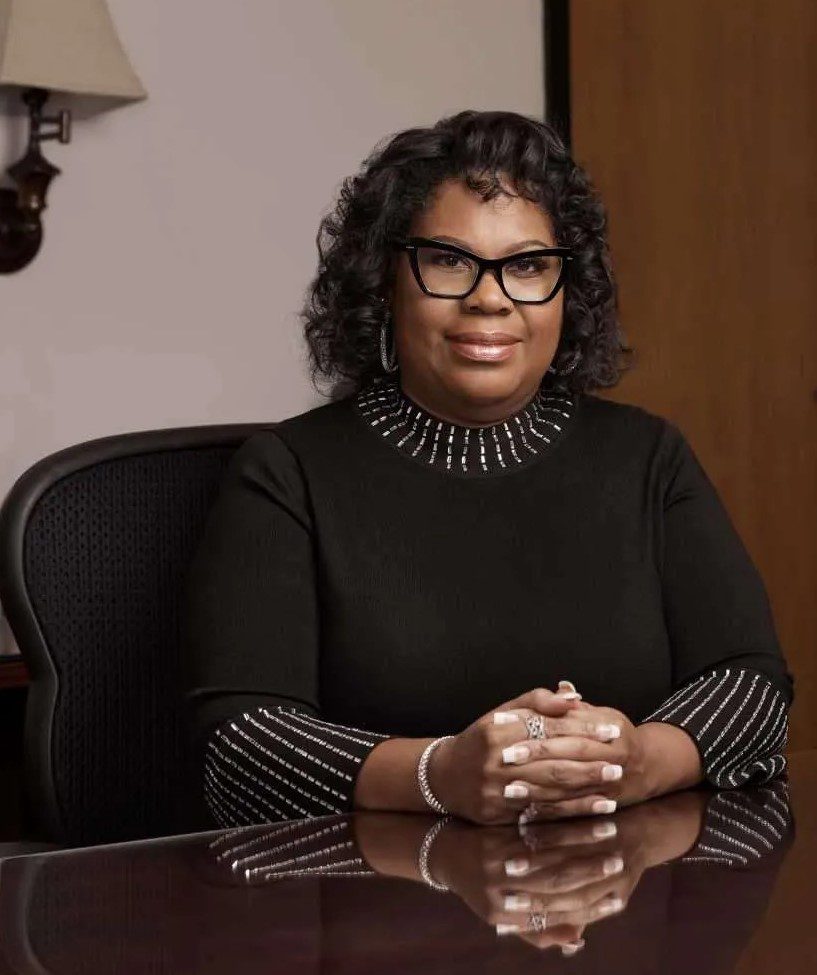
{"points": [[627, 750]]}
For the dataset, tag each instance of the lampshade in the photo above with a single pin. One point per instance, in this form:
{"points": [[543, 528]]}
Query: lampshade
{"points": [[65, 45]]}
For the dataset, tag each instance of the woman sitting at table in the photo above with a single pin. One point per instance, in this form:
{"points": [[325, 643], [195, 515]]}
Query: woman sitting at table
{"points": [[390, 583]]}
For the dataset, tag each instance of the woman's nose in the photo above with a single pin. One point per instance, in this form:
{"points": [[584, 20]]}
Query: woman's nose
{"points": [[488, 295]]}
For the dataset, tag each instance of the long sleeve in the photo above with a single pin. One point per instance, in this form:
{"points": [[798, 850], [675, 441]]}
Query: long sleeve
{"points": [[731, 688], [260, 749]]}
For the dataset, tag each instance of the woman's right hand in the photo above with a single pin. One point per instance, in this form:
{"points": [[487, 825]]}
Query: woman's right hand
{"points": [[468, 775]]}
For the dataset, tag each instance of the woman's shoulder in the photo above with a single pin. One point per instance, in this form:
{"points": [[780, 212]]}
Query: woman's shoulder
{"points": [[282, 441], [623, 419]]}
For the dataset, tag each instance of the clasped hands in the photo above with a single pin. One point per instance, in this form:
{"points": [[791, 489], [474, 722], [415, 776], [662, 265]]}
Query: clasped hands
{"points": [[591, 761]]}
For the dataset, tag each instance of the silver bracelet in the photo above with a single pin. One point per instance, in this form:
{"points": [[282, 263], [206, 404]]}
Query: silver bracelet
{"points": [[422, 777], [425, 849]]}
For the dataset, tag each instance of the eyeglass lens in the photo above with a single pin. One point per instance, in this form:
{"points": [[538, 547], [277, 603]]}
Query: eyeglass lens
{"points": [[452, 275]]}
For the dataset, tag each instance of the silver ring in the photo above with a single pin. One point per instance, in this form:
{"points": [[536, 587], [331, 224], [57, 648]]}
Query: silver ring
{"points": [[537, 922], [535, 724]]}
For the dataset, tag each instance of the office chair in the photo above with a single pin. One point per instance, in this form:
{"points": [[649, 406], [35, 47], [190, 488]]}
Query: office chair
{"points": [[94, 544]]}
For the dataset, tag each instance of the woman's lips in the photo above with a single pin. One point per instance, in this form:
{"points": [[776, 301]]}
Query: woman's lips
{"points": [[483, 351]]}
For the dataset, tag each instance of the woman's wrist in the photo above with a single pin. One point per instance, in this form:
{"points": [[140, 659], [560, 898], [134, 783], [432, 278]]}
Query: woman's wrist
{"points": [[671, 759], [388, 778]]}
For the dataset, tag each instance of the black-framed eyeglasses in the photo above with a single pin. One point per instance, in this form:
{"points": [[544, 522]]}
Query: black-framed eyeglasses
{"points": [[444, 270]]}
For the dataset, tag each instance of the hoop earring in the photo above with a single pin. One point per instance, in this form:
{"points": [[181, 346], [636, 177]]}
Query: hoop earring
{"points": [[389, 362]]}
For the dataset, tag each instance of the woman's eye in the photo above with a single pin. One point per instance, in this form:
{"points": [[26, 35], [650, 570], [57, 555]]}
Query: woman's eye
{"points": [[528, 267], [447, 260]]}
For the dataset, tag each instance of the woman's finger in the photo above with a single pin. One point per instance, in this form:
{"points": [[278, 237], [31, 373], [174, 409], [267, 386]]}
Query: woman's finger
{"points": [[594, 804], [562, 910], [540, 699], [611, 903], [548, 877], [550, 779], [522, 754], [514, 720]]}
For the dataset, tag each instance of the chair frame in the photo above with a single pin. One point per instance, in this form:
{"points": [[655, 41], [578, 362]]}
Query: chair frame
{"points": [[15, 514]]}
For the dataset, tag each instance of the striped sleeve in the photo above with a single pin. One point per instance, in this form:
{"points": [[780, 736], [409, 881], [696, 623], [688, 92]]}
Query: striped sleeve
{"points": [[741, 828], [739, 721], [279, 762], [300, 848]]}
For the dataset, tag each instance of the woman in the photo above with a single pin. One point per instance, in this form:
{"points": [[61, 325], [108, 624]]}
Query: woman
{"points": [[390, 584]]}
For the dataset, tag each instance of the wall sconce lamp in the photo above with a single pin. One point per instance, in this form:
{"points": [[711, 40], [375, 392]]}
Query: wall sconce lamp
{"points": [[52, 45]]}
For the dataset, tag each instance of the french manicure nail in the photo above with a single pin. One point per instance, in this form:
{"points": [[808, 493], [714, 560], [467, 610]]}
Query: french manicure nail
{"points": [[608, 731], [507, 928], [568, 684], [516, 902], [505, 717], [571, 947], [604, 806], [612, 905], [515, 790], [571, 696], [613, 865], [602, 831], [517, 867], [515, 753], [611, 772]]}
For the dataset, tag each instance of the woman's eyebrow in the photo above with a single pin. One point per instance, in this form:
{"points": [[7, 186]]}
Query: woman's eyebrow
{"points": [[510, 250]]}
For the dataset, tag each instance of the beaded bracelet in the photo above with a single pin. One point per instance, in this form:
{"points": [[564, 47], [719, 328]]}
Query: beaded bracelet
{"points": [[425, 849], [422, 777]]}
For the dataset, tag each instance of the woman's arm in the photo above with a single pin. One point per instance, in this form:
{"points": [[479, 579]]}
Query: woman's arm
{"points": [[731, 687], [737, 719], [260, 749]]}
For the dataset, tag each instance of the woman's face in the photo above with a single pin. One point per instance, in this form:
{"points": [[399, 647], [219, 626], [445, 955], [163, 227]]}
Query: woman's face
{"points": [[434, 370]]}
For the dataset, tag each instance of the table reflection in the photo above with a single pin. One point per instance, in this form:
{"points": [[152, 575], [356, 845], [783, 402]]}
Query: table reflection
{"points": [[347, 894]]}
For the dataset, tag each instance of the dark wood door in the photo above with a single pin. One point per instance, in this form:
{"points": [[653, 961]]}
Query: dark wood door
{"points": [[698, 123]]}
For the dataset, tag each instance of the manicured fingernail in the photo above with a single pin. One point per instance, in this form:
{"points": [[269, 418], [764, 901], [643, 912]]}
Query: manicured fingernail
{"points": [[507, 928], [516, 790], [571, 696], [612, 905], [514, 754], [505, 717], [611, 772], [516, 902], [603, 831], [568, 684], [608, 731], [571, 947], [604, 806], [613, 865], [517, 867]]}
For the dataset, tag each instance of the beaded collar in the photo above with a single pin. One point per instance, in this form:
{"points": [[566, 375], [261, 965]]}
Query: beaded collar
{"points": [[467, 451]]}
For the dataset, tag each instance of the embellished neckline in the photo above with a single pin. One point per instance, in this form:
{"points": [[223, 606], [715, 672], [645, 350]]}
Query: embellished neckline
{"points": [[466, 451]]}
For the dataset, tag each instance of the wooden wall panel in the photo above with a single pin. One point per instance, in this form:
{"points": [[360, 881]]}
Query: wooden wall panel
{"points": [[697, 121]]}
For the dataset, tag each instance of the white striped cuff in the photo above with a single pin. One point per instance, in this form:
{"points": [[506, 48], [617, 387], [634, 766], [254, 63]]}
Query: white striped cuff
{"points": [[279, 762], [738, 720], [743, 827]]}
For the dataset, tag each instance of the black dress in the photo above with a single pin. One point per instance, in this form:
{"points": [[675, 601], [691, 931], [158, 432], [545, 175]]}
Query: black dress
{"points": [[370, 571]]}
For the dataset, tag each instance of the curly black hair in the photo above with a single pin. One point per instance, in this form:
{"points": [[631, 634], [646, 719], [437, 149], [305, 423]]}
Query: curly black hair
{"points": [[344, 310]]}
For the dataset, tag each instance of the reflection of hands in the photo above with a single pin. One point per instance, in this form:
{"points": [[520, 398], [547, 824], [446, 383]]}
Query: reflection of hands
{"points": [[562, 886], [560, 877]]}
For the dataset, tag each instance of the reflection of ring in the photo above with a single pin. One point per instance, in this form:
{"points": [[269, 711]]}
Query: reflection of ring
{"points": [[538, 922], [535, 724]]}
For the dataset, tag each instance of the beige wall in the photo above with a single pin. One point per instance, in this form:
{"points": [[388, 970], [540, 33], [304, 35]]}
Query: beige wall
{"points": [[180, 237]]}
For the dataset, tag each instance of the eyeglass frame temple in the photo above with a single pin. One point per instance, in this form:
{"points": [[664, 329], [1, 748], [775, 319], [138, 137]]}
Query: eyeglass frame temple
{"points": [[494, 265]]}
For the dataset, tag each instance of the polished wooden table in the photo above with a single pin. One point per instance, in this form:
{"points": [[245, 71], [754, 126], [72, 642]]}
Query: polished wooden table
{"points": [[712, 882]]}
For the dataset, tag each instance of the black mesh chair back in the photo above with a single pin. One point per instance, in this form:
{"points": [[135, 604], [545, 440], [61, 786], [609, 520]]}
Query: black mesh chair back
{"points": [[95, 541]]}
